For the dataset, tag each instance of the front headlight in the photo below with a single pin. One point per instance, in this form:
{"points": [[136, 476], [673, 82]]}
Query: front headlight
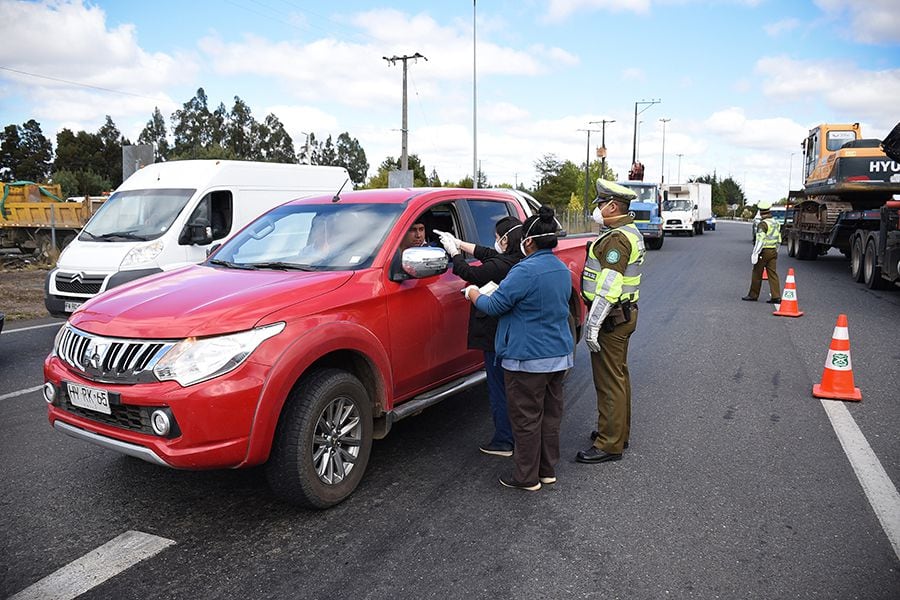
{"points": [[142, 254], [194, 360]]}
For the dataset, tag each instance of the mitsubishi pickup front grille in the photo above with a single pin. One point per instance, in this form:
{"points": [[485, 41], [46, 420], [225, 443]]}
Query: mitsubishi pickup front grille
{"points": [[110, 360], [79, 283]]}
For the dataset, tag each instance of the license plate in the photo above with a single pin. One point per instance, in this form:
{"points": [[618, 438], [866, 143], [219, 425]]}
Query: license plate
{"points": [[89, 398], [72, 306]]}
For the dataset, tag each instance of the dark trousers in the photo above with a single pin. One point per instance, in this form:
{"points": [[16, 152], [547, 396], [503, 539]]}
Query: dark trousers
{"points": [[535, 406], [767, 260], [497, 397], [613, 385]]}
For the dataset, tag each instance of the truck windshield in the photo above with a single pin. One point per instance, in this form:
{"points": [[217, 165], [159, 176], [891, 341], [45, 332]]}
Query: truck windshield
{"points": [[311, 237], [677, 205], [135, 215], [645, 193]]}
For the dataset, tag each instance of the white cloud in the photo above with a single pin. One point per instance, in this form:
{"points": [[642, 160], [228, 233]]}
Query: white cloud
{"points": [[781, 27], [559, 10], [849, 91], [739, 131], [872, 21], [634, 74], [503, 112], [68, 42]]}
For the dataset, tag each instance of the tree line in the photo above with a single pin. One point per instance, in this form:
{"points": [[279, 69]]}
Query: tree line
{"points": [[87, 163]]}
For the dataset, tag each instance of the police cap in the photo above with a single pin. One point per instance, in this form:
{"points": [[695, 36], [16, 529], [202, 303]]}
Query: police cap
{"points": [[608, 190]]}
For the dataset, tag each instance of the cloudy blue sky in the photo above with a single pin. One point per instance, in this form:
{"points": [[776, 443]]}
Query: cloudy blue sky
{"points": [[741, 80]]}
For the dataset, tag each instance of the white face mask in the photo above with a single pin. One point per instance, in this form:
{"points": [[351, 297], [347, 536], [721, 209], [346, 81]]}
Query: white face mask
{"points": [[500, 249], [522, 247], [597, 215]]}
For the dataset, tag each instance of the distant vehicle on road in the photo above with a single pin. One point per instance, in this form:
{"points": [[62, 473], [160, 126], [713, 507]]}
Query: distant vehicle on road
{"points": [[710, 224], [646, 209], [686, 207]]}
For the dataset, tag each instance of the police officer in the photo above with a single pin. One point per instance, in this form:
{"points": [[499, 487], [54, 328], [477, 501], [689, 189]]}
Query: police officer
{"points": [[764, 255], [610, 282]]}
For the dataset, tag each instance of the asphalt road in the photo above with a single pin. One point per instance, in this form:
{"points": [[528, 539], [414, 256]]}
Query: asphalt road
{"points": [[735, 485]]}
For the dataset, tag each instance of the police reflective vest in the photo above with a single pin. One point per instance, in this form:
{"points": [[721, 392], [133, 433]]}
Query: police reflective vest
{"points": [[612, 285], [772, 237]]}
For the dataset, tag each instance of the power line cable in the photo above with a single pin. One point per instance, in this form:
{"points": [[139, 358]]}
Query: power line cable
{"points": [[79, 84]]}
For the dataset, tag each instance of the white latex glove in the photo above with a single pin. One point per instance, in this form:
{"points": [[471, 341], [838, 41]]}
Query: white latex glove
{"points": [[467, 289], [599, 310], [753, 258], [450, 243]]}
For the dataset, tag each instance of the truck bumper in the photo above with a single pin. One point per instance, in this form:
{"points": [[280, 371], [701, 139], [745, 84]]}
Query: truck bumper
{"points": [[211, 421]]}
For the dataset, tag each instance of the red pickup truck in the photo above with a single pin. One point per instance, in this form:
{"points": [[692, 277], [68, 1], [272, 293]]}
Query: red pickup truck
{"points": [[298, 342]]}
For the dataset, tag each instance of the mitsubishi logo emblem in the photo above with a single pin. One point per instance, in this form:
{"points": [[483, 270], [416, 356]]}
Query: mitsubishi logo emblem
{"points": [[93, 355]]}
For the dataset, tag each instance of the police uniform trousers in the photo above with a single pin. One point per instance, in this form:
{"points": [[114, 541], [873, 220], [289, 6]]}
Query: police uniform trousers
{"points": [[613, 385], [534, 402], [767, 259]]}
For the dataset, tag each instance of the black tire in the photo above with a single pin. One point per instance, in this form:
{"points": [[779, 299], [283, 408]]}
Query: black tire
{"points": [[871, 271], [700, 227], [692, 231], [856, 259], [303, 467], [806, 250], [792, 246], [655, 243]]}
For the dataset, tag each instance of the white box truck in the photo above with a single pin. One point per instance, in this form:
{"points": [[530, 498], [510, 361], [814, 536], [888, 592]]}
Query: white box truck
{"points": [[167, 215], [686, 207]]}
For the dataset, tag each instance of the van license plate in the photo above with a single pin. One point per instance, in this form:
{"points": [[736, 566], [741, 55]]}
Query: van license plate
{"points": [[72, 306], [89, 398]]}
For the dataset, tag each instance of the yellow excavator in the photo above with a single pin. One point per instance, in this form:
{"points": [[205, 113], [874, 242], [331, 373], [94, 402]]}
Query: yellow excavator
{"points": [[847, 201]]}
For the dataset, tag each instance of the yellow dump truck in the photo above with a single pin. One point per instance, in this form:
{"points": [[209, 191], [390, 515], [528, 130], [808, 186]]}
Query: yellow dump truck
{"points": [[34, 216]]}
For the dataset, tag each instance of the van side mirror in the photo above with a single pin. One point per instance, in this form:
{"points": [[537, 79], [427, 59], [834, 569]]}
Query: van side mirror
{"points": [[695, 207], [197, 232]]}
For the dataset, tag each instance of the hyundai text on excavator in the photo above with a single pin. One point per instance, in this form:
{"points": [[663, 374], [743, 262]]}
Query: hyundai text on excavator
{"points": [[848, 202]]}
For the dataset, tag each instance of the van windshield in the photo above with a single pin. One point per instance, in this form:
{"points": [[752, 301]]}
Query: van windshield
{"points": [[677, 205], [135, 215], [311, 237]]}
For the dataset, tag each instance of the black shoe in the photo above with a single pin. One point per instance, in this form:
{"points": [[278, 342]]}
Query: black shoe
{"points": [[749, 298], [497, 449], [594, 455], [508, 481], [773, 301], [595, 434]]}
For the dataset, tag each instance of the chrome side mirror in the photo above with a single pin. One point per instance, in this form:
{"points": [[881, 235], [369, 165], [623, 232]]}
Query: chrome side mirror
{"points": [[423, 262]]}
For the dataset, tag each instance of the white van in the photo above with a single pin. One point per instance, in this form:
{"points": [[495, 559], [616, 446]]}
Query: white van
{"points": [[167, 215]]}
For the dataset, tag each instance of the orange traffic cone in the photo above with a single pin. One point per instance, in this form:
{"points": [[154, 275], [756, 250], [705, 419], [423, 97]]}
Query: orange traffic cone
{"points": [[837, 378], [788, 306], [765, 274]]}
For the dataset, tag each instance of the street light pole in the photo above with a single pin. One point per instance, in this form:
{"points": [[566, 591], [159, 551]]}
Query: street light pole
{"points": [[679, 167], [649, 103], [587, 165], [474, 105], [662, 166]]}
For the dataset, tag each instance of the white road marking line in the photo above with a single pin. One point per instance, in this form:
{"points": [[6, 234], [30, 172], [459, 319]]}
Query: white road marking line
{"points": [[95, 567], [5, 331], [21, 392], [879, 488]]}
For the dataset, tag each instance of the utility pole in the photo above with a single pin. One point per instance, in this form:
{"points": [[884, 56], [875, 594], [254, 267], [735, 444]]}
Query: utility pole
{"points": [[679, 167], [404, 131], [587, 165], [790, 172], [649, 103], [603, 145], [662, 166]]}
